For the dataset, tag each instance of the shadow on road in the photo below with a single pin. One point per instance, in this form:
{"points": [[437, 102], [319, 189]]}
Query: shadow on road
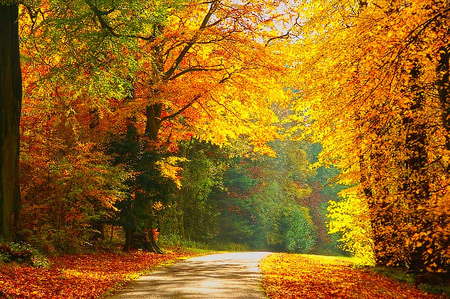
{"points": [[229, 275]]}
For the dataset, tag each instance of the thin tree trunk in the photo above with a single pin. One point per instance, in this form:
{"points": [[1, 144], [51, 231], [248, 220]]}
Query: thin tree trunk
{"points": [[416, 185], [10, 109], [443, 86]]}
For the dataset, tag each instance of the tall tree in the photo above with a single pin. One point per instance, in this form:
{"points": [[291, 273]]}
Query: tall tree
{"points": [[213, 71], [10, 107], [77, 57], [380, 110]]}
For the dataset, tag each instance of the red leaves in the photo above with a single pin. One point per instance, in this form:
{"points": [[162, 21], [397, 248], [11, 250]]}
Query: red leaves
{"points": [[78, 276], [303, 276]]}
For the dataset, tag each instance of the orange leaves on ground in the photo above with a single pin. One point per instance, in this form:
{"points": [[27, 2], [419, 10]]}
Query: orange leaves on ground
{"points": [[79, 276], [304, 276]]}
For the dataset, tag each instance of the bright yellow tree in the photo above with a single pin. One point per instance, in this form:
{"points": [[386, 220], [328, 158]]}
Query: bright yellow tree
{"points": [[373, 86]]}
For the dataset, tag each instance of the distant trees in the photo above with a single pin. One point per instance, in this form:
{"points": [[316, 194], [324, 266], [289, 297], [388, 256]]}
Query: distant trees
{"points": [[260, 202]]}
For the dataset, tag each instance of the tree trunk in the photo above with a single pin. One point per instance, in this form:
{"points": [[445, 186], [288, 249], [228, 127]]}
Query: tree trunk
{"points": [[153, 122], [10, 109], [150, 243], [416, 185], [128, 236], [443, 85]]}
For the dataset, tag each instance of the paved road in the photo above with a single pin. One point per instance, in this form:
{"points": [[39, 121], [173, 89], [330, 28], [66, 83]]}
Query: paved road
{"points": [[228, 275]]}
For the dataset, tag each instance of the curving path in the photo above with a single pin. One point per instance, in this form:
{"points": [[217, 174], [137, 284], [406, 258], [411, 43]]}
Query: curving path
{"points": [[228, 275]]}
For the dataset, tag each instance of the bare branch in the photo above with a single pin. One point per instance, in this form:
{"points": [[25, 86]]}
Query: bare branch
{"points": [[286, 35]]}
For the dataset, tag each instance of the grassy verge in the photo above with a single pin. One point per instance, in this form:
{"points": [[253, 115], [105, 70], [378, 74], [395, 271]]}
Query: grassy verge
{"points": [[309, 276], [177, 241], [427, 282]]}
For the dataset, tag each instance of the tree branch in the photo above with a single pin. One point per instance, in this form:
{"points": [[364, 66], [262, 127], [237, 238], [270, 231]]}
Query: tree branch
{"points": [[175, 114], [99, 14], [195, 69], [286, 35], [212, 9]]}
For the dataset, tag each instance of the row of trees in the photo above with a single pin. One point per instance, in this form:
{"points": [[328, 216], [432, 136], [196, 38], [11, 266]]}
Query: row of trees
{"points": [[176, 68], [200, 192], [374, 87], [115, 96]]}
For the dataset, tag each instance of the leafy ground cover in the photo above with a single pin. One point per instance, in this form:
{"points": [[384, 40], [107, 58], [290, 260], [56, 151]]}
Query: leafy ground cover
{"points": [[82, 275], [307, 276]]}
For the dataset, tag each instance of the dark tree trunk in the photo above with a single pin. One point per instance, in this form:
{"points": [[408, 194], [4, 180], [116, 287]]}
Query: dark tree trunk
{"points": [[380, 211], [128, 236], [10, 109], [150, 243], [152, 126], [416, 185], [153, 122], [443, 85]]}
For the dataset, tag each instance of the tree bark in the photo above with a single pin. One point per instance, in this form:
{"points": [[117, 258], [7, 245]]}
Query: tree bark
{"points": [[153, 121], [443, 85], [128, 236], [416, 185], [10, 109]]}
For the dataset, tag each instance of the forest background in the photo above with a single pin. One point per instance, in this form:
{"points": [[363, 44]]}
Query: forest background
{"points": [[201, 119]]}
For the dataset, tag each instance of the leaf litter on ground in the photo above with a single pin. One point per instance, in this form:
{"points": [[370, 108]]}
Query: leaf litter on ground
{"points": [[306, 276], [81, 275]]}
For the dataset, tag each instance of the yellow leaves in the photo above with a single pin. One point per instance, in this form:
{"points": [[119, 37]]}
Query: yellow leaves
{"points": [[169, 169], [351, 218], [159, 206], [227, 64], [360, 101], [309, 276]]}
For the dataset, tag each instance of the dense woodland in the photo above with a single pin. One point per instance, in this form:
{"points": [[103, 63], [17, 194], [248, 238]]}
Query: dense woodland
{"points": [[228, 122]]}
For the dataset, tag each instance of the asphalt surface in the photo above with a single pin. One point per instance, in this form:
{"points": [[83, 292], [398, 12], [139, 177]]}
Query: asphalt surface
{"points": [[228, 275]]}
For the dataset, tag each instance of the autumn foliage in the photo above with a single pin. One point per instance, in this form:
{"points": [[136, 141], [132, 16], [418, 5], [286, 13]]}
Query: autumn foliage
{"points": [[307, 276], [116, 93], [373, 87], [81, 275]]}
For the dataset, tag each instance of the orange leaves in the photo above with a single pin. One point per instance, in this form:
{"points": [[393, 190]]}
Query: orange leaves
{"points": [[305, 276], [212, 70], [79, 276], [368, 86]]}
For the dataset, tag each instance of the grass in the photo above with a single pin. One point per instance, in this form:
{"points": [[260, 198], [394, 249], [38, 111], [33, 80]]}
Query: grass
{"points": [[177, 241], [335, 260], [441, 287]]}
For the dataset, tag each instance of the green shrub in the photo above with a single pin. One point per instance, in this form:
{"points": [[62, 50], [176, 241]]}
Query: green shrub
{"points": [[21, 252], [15, 252]]}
